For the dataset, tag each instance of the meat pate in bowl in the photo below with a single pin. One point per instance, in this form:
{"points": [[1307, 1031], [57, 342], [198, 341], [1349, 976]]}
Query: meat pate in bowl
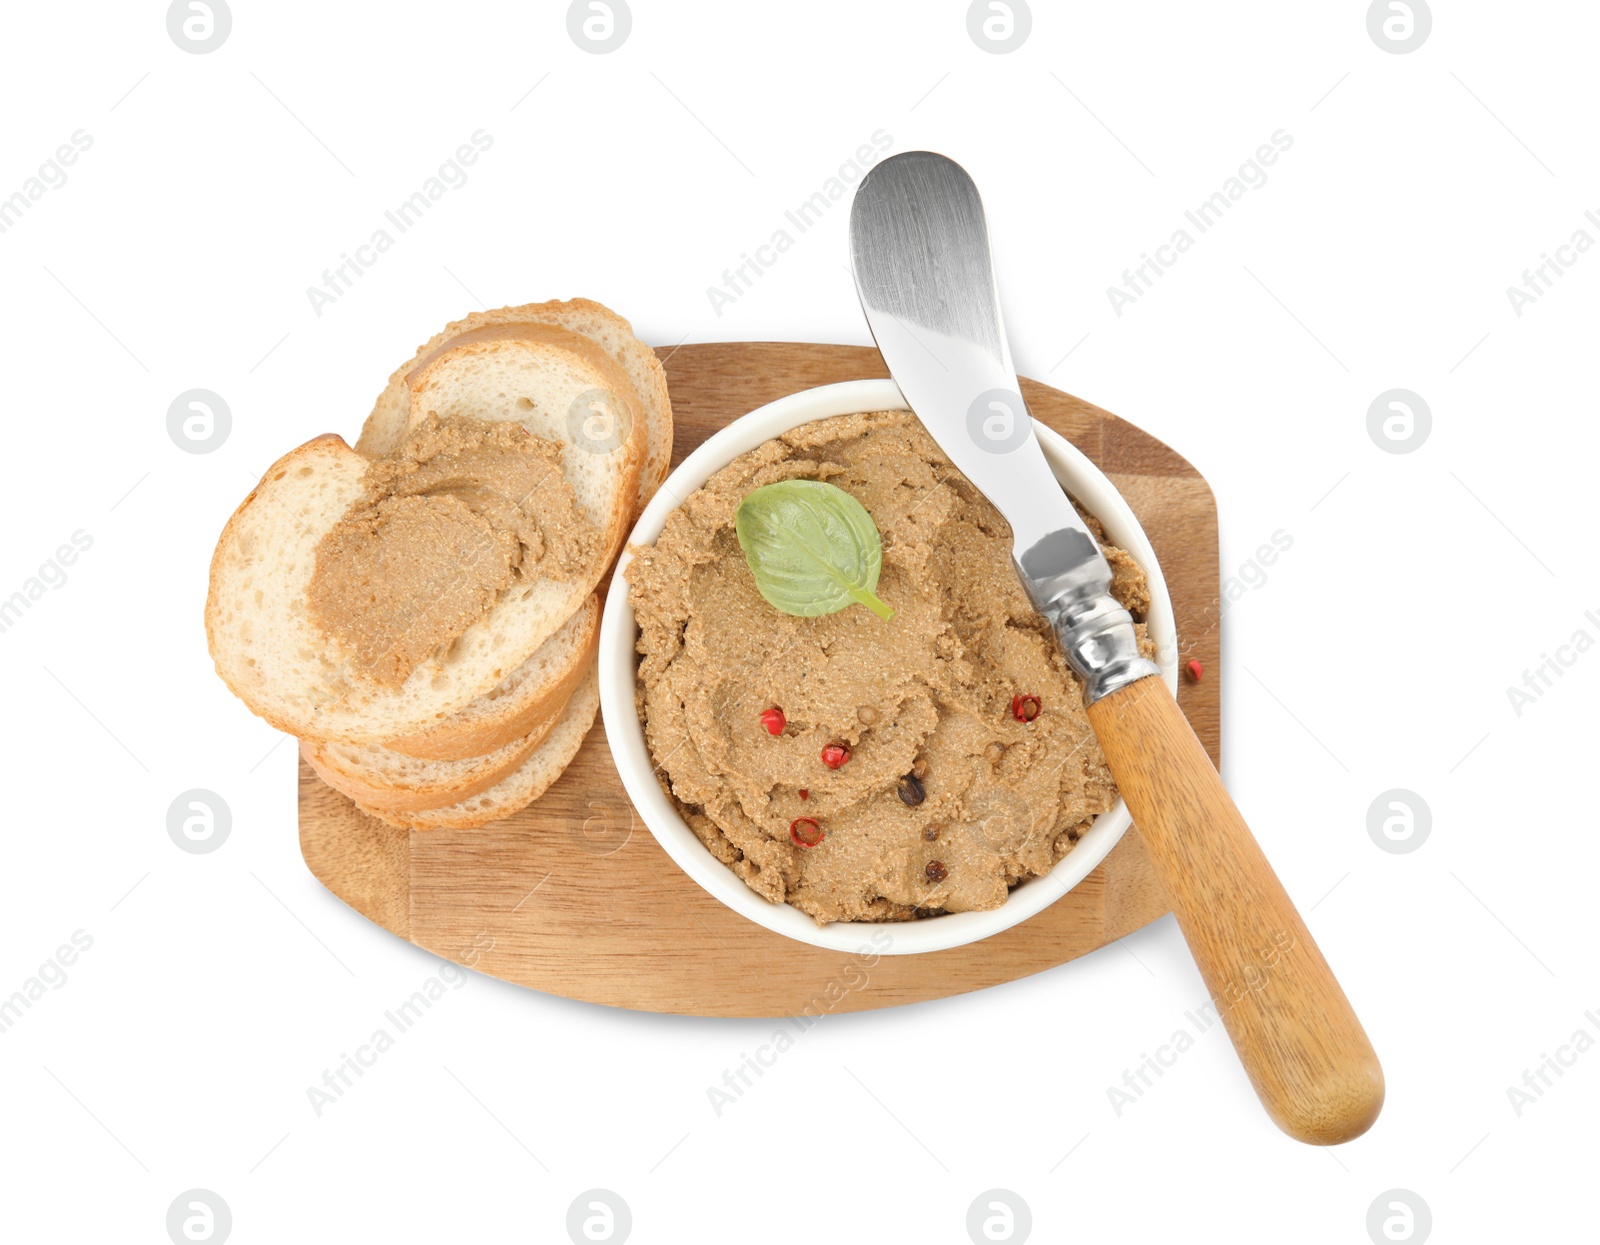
{"points": [[828, 696]]}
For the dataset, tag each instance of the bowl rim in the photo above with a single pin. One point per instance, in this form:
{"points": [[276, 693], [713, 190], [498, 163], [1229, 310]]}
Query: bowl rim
{"points": [[618, 663]]}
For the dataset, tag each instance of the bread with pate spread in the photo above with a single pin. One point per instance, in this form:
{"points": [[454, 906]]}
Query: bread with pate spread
{"points": [[639, 381]]}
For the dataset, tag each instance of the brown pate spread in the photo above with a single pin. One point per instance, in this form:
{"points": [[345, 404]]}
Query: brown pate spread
{"points": [[458, 513]]}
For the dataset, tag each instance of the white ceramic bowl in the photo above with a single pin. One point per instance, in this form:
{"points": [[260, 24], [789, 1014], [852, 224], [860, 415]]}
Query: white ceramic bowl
{"points": [[619, 661]]}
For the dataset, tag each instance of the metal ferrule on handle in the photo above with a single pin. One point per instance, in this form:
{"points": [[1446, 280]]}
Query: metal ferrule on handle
{"points": [[1070, 584]]}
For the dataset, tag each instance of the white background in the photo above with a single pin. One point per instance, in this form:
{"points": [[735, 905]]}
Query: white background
{"points": [[1376, 655]]}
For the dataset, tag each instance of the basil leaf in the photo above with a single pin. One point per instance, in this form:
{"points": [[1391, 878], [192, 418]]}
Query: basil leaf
{"points": [[812, 548]]}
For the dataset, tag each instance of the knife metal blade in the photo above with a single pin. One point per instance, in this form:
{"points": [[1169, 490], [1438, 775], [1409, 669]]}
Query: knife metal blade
{"points": [[919, 250]]}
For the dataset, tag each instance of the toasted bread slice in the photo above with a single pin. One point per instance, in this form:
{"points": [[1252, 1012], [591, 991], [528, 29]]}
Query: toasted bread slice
{"points": [[646, 381], [376, 776], [521, 787], [505, 374], [274, 657], [264, 645], [615, 335], [537, 689]]}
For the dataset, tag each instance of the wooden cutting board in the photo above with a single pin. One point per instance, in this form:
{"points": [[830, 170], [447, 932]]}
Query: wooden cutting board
{"points": [[572, 896]]}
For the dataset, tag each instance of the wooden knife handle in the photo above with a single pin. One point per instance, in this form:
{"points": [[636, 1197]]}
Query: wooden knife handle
{"points": [[1296, 1033]]}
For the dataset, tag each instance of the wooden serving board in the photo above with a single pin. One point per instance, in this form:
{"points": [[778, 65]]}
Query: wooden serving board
{"points": [[573, 896]]}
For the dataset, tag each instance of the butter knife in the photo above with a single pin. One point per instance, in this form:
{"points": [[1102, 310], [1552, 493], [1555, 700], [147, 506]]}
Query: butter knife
{"points": [[919, 250]]}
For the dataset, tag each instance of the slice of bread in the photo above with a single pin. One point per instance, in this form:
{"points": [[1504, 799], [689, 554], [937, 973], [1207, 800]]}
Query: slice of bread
{"points": [[513, 374], [520, 788], [264, 645], [538, 688], [273, 655], [646, 380], [377, 776], [615, 336]]}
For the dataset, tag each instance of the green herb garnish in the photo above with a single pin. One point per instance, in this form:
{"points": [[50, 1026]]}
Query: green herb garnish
{"points": [[812, 548]]}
